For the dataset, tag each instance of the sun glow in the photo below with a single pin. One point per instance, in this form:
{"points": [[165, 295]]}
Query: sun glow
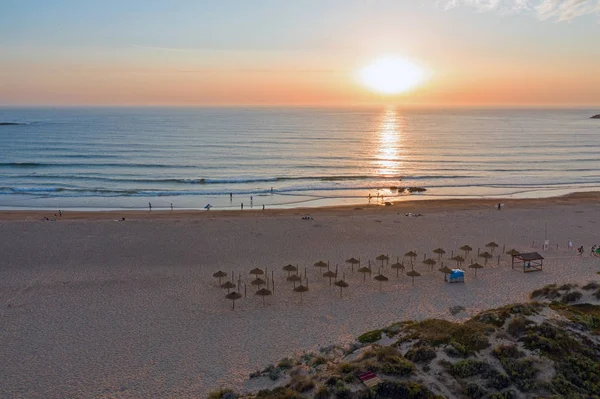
{"points": [[392, 75]]}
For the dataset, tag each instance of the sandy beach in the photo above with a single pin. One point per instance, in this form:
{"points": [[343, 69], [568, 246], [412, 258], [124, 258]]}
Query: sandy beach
{"points": [[96, 307]]}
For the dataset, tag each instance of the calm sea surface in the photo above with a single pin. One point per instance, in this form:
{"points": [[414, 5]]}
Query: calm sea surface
{"points": [[104, 158]]}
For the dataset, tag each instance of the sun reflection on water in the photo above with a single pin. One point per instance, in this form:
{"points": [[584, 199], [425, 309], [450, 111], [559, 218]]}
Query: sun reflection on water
{"points": [[390, 151]]}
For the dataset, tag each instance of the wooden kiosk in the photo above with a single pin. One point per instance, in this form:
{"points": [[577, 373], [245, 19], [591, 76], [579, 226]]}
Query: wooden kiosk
{"points": [[532, 261]]}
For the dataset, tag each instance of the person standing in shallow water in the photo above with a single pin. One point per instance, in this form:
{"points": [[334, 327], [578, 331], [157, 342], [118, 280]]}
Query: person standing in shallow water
{"points": [[149, 206], [230, 197], [171, 206], [242, 206]]}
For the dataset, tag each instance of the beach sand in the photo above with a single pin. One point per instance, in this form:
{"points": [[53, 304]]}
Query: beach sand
{"points": [[95, 307]]}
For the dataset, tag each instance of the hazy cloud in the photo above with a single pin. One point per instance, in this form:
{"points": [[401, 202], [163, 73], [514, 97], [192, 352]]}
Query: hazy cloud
{"points": [[558, 10]]}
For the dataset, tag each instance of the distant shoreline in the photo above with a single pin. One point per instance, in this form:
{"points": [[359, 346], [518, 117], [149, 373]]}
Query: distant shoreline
{"points": [[405, 206]]}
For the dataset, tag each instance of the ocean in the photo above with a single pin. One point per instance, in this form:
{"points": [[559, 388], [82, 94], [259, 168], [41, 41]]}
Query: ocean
{"points": [[126, 158]]}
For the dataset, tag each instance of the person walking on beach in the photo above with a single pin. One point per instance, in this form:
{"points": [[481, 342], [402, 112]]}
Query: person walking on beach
{"points": [[59, 213], [171, 206], [242, 206], [149, 206], [499, 205], [263, 207], [230, 197], [570, 245]]}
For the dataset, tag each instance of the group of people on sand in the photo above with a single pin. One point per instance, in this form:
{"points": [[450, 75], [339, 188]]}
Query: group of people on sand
{"points": [[54, 218]]}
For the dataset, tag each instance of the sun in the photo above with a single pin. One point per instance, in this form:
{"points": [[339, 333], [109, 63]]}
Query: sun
{"points": [[392, 75]]}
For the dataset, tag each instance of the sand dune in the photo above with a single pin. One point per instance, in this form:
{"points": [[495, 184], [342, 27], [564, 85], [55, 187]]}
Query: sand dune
{"points": [[93, 307]]}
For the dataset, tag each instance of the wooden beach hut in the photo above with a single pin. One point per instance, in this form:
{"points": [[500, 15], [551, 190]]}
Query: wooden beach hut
{"points": [[532, 261]]}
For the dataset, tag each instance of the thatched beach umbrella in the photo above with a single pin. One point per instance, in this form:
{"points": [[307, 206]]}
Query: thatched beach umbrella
{"points": [[257, 272], [364, 270], [330, 274], [429, 262], [413, 273], [301, 289], [294, 278], [512, 252], [290, 268], [439, 252], [475, 266], [411, 254], [320, 264], [492, 245], [458, 259], [486, 256], [446, 270], [353, 262], [342, 284], [263, 292], [220, 274], [258, 282], [467, 249], [398, 266], [233, 296], [383, 258], [228, 285], [381, 278]]}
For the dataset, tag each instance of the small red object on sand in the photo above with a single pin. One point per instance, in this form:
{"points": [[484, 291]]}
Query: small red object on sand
{"points": [[369, 379]]}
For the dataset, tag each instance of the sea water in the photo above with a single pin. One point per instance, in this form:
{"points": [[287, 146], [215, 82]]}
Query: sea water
{"points": [[126, 158]]}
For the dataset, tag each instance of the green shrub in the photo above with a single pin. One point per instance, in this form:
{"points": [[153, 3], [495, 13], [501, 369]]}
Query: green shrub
{"points": [[404, 390], [549, 291], [222, 393], [346, 368], [508, 351], [497, 380], [421, 354], [319, 360], [322, 393], [469, 368], [521, 372], [301, 383], [472, 335], [573, 296], [518, 325], [278, 393], [370, 337], [286, 363], [474, 391], [591, 286]]}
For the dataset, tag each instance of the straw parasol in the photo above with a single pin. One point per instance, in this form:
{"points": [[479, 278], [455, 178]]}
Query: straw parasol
{"points": [[301, 289], [353, 261], [475, 266], [486, 256], [330, 274], [512, 252], [220, 274], [294, 278], [342, 284], [446, 270], [258, 282], [257, 272], [228, 285], [364, 270], [263, 292], [492, 245], [290, 268], [411, 255], [429, 262], [413, 273], [439, 252], [381, 278], [233, 296], [383, 258], [459, 259], [320, 264], [398, 266], [467, 249]]}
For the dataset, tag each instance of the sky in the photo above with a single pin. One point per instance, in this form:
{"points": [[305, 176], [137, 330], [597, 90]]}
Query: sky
{"points": [[301, 52]]}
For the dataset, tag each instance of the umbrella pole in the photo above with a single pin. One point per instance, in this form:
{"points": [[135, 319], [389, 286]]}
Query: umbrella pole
{"points": [[244, 290], [413, 282], [340, 292]]}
